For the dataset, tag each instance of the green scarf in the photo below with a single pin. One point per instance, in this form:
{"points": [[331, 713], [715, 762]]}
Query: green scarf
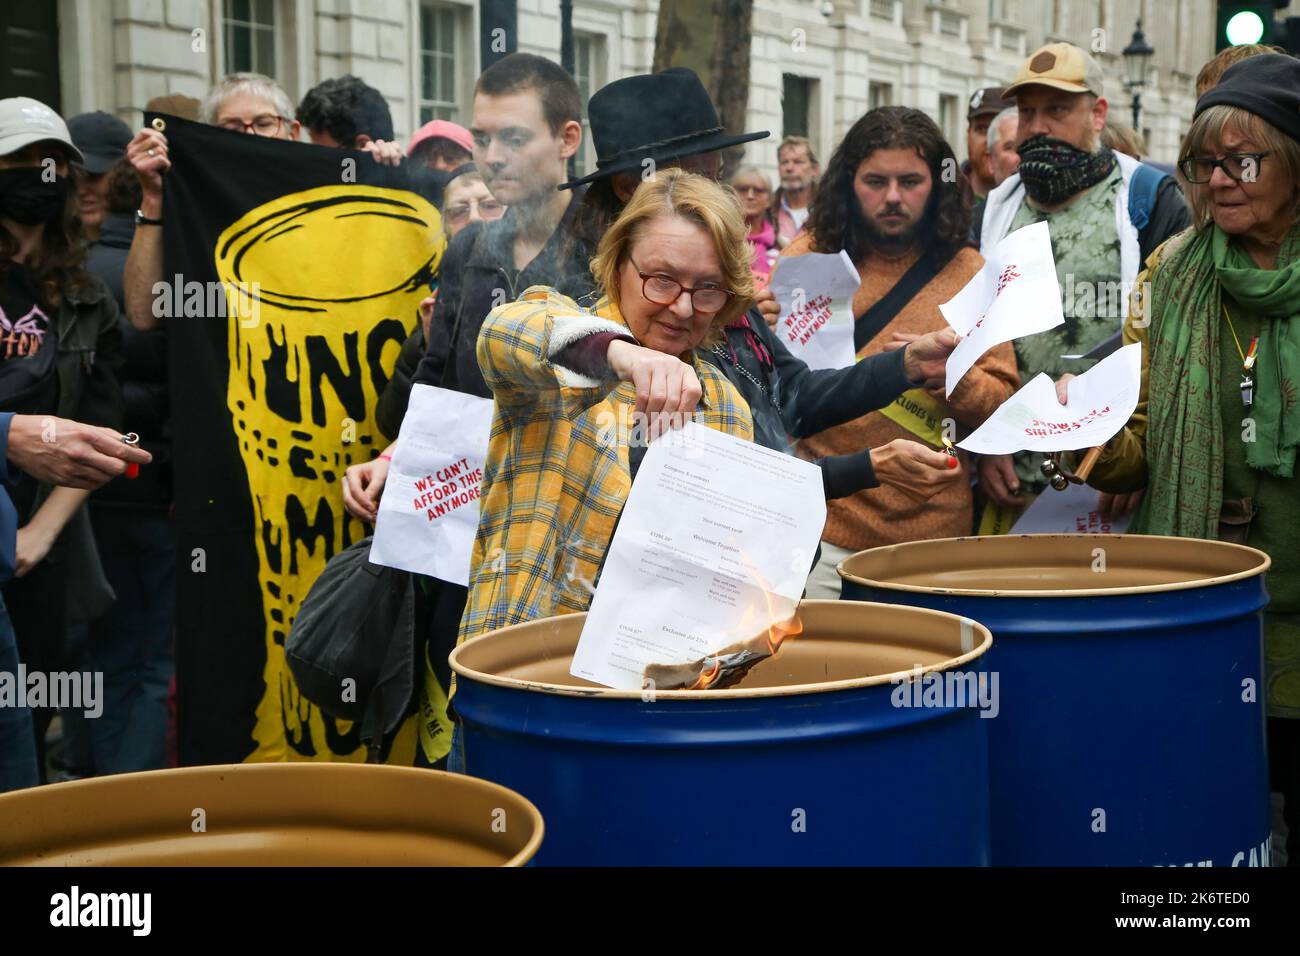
{"points": [[1184, 442]]}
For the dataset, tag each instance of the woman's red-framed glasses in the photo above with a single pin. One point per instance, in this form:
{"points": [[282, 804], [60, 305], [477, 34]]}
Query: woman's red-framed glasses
{"points": [[665, 290]]}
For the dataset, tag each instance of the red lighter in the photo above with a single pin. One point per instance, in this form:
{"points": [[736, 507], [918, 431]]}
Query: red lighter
{"points": [[132, 468], [952, 452]]}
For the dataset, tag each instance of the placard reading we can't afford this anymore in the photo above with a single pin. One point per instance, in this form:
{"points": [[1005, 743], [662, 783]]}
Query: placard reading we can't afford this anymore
{"points": [[429, 510], [815, 292]]}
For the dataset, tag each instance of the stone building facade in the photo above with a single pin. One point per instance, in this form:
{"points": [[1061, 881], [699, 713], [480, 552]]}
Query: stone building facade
{"points": [[816, 64]]}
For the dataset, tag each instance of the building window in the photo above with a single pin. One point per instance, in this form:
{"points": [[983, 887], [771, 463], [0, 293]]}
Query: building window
{"points": [[880, 94], [949, 111], [882, 9], [29, 52], [589, 74], [248, 32], [997, 10], [439, 97], [796, 104]]}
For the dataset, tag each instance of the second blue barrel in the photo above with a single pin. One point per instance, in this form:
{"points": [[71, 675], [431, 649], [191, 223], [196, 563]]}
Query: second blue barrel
{"points": [[827, 753], [1130, 680]]}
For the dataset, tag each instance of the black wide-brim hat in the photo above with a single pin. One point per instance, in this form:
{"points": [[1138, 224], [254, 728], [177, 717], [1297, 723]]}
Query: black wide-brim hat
{"points": [[658, 116]]}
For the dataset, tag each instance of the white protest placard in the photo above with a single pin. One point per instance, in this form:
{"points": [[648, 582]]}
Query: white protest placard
{"points": [[428, 513], [1014, 295], [714, 545], [1101, 401], [1072, 511], [816, 296]]}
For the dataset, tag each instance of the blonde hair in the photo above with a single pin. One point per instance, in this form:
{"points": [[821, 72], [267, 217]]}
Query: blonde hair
{"points": [[1211, 126], [696, 199], [1212, 71], [1118, 135]]}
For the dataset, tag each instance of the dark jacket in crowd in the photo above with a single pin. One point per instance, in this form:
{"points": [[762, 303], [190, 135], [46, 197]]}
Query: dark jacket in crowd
{"points": [[84, 387], [789, 400], [8, 514], [396, 395], [88, 362], [147, 408], [476, 275]]}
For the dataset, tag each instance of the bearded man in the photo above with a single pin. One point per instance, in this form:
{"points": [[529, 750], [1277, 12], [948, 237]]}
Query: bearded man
{"points": [[886, 202], [1106, 212]]}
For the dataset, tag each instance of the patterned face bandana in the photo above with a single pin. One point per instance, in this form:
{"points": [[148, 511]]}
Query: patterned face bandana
{"points": [[1053, 170]]}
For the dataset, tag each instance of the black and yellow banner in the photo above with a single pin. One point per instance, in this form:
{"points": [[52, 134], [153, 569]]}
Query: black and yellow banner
{"points": [[292, 276]]}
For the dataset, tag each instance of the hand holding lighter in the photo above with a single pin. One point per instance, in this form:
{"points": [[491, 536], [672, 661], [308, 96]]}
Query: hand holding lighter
{"points": [[951, 451]]}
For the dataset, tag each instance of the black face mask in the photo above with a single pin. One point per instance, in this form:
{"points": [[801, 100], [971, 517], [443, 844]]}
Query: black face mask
{"points": [[27, 197], [1053, 170]]}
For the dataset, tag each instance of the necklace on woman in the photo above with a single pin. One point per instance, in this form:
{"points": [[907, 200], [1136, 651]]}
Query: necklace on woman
{"points": [[1247, 362]]}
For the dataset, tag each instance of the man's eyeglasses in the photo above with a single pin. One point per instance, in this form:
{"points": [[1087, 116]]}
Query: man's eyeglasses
{"points": [[268, 124], [751, 190], [487, 208], [1239, 167], [665, 290]]}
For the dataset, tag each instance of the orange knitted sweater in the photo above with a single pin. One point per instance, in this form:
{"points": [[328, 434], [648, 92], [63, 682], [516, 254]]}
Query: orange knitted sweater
{"points": [[884, 515]]}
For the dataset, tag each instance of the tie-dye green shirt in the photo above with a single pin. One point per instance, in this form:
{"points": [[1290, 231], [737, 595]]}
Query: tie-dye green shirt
{"points": [[1085, 244]]}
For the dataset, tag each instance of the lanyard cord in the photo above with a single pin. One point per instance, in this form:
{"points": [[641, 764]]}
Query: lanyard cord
{"points": [[1247, 358]]}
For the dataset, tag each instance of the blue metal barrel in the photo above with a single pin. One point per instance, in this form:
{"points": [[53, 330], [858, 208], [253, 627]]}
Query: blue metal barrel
{"points": [[807, 761], [1130, 670]]}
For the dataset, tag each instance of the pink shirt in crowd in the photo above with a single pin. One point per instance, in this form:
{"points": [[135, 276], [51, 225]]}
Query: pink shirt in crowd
{"points": [[763, 242]]}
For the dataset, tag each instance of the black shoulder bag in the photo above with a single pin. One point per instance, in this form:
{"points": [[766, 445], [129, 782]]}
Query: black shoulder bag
{"points": [[870, 323]]}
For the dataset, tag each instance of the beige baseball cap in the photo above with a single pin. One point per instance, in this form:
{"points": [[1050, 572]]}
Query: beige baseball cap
{"points": [[1062, 66]]}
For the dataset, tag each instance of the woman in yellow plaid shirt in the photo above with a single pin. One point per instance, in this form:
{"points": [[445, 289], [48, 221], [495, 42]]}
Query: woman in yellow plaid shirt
{"points": [[578, 392]]}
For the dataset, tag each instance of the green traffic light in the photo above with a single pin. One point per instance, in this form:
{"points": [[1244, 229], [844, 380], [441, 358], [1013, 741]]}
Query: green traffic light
{"points": [[1246, 26]]}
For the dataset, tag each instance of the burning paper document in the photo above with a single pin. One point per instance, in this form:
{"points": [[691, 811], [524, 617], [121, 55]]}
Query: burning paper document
{"points": [[710, 559], [726, 667], [1014, 295], [816, 296], [428, 514], [1101, 401]]}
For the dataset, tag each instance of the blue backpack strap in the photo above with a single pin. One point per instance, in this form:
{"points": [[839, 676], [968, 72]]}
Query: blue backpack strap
{"points": [[1142, 194]]}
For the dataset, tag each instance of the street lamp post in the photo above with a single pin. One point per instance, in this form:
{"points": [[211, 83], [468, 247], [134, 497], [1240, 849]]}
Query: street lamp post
{"points": [[1137, 61], [566, 59]]}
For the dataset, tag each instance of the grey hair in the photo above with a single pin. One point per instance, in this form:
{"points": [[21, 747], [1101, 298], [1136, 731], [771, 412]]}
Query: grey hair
{"points": [[751, 171], [253, 84], [1010, 112]]}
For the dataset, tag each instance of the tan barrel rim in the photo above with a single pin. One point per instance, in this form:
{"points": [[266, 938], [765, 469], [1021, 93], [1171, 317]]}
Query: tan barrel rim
{"points": [[980, 634], [1264, 563]]}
